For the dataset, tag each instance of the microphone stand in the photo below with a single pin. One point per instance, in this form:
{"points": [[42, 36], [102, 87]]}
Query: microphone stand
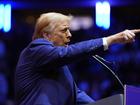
{"points": [[98, 58]]}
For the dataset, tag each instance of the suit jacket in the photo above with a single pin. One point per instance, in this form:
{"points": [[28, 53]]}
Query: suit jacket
{"points": [[42, 77]]}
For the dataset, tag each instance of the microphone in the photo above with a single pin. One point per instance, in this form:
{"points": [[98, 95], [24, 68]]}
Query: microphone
{"points": [[100, 59]]}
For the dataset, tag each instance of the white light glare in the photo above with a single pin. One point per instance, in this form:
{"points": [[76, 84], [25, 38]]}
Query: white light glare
{"points": [[103, 14], [7, 18]]}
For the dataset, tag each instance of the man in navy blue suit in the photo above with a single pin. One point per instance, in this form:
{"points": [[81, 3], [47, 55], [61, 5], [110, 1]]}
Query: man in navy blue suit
{"points": [[42, 76]]}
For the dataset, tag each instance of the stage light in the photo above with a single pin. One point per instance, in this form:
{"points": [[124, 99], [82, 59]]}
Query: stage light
{"points": [[1, 16], [99, 14], [5, 17], [102, 10], [106, 15]]}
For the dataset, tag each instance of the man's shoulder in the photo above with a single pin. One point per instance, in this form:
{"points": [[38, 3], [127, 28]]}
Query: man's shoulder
{"points": [[41, 41], [38, 43]]}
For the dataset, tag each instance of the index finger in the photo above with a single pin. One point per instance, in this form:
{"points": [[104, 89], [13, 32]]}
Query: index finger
{"points": [[135, 31]]}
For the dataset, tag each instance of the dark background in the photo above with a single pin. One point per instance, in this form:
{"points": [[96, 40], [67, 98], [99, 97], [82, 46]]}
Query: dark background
{"points": [[89, 75]]}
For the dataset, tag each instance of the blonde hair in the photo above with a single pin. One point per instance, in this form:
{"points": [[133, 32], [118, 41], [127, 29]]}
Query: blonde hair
{"points": [[47, 22]]}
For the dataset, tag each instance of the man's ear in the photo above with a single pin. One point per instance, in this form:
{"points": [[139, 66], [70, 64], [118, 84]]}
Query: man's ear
{"points": [[46, 36]]}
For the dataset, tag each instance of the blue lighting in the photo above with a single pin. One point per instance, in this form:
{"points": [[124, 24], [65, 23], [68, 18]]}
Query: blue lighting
{"points": [[103, 14], [106, 18], [2, 49], [5, 17], [1, 16], [99, 13]]}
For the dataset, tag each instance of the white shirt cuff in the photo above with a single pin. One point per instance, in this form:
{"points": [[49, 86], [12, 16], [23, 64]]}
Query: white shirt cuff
{"points": [[105, 44]]}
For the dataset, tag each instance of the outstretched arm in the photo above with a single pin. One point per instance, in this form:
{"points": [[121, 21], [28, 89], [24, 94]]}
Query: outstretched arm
{"points": [[126, 36], [48, 54]]}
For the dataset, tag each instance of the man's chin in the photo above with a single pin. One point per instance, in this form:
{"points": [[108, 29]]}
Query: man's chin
{"points": [[67, 43]]}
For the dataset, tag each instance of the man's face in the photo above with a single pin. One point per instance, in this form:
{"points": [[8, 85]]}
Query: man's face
{"points": [[61, 34]]}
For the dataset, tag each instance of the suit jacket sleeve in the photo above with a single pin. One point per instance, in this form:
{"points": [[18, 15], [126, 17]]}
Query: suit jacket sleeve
{"points": [[48, 54]]}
